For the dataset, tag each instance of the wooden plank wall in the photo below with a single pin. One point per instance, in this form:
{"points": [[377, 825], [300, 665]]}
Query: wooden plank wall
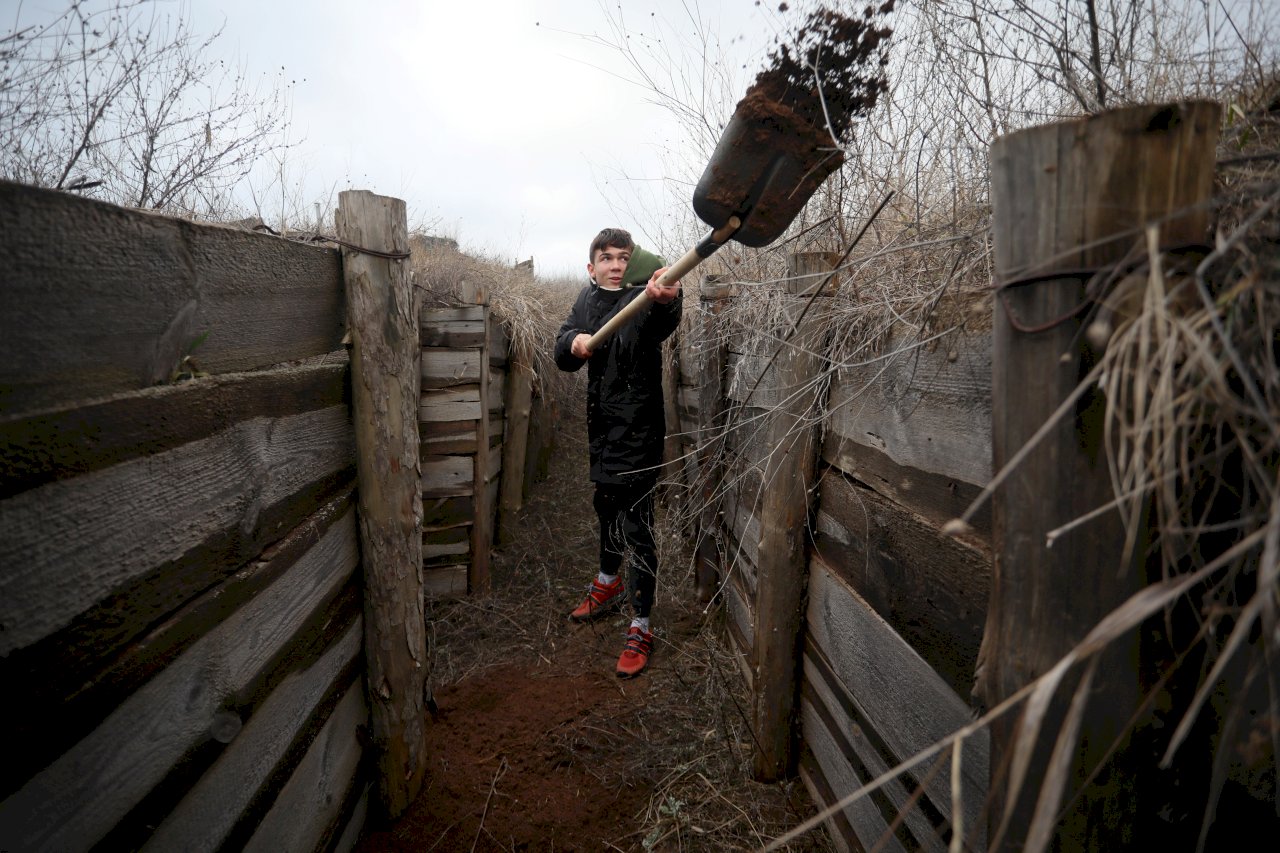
{"points": [[895, 610], [460, 346], [180, 593]]}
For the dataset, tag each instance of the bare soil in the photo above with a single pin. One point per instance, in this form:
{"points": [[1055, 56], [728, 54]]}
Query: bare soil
{"points": [[537, 745]]}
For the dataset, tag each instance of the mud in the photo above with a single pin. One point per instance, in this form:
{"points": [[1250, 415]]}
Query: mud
{"points": [[849, 57], [511, 768]]}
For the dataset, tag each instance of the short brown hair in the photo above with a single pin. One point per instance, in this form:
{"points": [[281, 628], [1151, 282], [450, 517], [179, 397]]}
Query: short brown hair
{"points": [[610, 238]]}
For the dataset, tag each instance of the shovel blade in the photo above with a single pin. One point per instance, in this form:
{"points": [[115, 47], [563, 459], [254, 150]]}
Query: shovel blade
{"points": [[764, 169]]}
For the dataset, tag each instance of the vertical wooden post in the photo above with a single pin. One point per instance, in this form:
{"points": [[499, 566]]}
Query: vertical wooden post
{"points": [[713, 296], [672, 467], [482, 528], [385, 379], [542, 416], [784, 515], [515, 445], [1069, 199]]}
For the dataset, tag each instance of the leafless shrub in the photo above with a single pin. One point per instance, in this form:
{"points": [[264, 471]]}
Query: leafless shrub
{"points": [[121, 101]]}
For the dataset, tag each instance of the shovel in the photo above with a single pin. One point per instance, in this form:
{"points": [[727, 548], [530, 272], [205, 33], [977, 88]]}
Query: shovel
{"points": [[765, 167], [779, 146]]}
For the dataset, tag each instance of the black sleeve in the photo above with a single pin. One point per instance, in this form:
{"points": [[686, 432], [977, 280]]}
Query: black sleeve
{"points": [[661, 320], [573, 326]]}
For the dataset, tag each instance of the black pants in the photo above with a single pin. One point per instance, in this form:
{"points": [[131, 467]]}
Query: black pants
{"points": [[626, 524]]}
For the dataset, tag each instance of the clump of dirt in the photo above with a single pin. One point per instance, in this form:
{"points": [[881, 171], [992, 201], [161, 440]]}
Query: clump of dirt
{"points": [[833, 68]]}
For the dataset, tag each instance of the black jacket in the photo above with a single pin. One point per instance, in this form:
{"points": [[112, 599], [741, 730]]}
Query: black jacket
{"points": [[626, 421]]}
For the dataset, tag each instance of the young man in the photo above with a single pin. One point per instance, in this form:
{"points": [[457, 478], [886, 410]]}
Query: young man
{"points": [[625, 424]]}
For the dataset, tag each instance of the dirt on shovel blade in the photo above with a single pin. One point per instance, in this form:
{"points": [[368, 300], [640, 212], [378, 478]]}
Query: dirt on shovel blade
{"points": [[785, 135]]}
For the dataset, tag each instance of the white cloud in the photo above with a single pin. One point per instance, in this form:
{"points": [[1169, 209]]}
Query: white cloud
{"points": [[501, 120]]}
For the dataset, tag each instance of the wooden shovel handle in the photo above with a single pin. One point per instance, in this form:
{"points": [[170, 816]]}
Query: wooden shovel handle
{"points": [[675, 272]]}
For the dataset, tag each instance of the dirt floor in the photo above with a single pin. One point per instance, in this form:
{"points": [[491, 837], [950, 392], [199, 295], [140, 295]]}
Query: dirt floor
{"points": [[537, 745]]}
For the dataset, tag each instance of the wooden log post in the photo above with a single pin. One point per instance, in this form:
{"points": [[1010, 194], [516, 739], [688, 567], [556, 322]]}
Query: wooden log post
{"points": [[1071, 199], [482, 528], [711, 354], [672, 465], [784, 517], [385, 380], [515, 446], [542, 417]]}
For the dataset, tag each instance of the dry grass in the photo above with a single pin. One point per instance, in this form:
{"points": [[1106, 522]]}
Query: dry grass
{"points": [[530, 310]]}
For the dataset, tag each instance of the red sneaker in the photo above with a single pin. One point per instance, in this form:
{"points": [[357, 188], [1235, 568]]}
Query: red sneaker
{"points": [[635, 654], [600, 600]]}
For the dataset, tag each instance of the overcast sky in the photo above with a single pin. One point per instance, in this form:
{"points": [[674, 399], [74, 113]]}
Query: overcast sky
{"points": [[502, 123]]}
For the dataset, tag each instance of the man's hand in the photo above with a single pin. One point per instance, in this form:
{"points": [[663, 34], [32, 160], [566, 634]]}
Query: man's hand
{"points": [[661, 294], [579, 346]]}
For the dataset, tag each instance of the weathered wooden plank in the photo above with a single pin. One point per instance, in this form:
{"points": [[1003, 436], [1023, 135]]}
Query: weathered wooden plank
{"points": [[446, 368], [354, 827], [851, 754], [741, 625], [449, 540], [72, 679], [466, 314], [454, 328], [497, 390], [519, 406], [311, 800], [71, 543], [61, 443], [447, 438], [754, 380], [688, 405], [211, 809], [127, 294], [449, 511], [482, 528], [499, 344], [491, 474], [447, 476], [79, 797], [749, 440], [864, 816], [454, 404], [323, 627], [702, 419], [492, 490], [690, 370], [446, 581], [935, 497], [839, 832], [931, 588], [743, 528], [901, 697], [541, 440], [927, 408]]}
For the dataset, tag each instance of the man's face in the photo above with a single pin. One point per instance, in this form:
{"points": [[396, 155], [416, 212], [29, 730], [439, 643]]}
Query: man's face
{"points": [[610, 264]]}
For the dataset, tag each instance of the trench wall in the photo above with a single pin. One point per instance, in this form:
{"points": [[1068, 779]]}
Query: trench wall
{"points": [[893, 610], [180, 583]]}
